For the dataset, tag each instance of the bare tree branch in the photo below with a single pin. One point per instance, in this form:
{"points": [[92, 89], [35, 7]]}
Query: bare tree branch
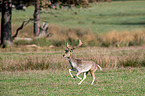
{"points": [[25, 22], [43, 28], [49, 35]]}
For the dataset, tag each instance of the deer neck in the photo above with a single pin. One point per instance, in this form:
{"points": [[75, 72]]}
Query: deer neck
{"points": [[72, 62]]}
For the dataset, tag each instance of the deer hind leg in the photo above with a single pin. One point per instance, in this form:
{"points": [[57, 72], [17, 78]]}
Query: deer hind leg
{"points": [[83, 79], [93, 75]]}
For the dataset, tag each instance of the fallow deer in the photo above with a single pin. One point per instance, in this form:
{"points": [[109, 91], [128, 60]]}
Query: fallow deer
{"points": [[81, 66]]}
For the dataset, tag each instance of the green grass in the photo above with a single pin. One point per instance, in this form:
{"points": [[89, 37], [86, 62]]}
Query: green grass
{"points": [[92, 22], [38, 70], [33, 71], [128, 81], [102, 17]]}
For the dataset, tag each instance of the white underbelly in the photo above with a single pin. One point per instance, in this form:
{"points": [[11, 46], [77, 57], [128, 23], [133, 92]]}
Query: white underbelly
{"points": [[84, 69]]}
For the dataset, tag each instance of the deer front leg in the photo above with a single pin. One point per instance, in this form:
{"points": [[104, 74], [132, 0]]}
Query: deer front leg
{"points": [[70, 73], [83, 79], [77, 75]]}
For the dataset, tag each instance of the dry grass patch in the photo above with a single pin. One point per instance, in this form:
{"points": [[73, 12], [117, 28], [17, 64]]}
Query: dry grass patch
{"points": [[125, 38], [105, 57]]}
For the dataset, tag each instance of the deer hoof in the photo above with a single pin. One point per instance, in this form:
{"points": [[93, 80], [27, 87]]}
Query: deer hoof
{"points": [[79, 83]]}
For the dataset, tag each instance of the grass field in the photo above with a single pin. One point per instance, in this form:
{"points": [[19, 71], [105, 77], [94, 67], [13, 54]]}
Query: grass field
{"points": [[46, 73], [100, 18], [119, 27], [52, 60], [103, 17], [119, 82], [117, 24]]}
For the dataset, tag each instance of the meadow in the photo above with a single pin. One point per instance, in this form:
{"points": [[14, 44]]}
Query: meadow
{"points": [[115, 82], [117, 24], [100, 18], [46, 73], [113, 36], [52, 60]]}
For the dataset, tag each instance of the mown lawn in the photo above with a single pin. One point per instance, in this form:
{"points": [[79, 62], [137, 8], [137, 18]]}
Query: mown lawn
{"points": [[109, 82], [112, 81], [101, 18]]}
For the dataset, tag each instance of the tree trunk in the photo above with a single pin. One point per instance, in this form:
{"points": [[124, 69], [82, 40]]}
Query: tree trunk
{"points": [[6, 34], [37, 18]]}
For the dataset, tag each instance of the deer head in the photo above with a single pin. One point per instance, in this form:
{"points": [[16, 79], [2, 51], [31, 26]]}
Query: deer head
{"points": [[69, 51]]}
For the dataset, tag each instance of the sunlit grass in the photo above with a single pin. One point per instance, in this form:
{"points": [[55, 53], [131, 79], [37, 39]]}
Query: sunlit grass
{"points": [[128, 81], [102, 17]]}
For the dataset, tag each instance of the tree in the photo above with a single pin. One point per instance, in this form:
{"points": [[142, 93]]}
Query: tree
{"points": [[37, 18], [39, 31], [6, 38]]}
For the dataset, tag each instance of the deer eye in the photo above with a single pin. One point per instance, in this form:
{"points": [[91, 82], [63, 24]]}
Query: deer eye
{"points": [[66, 51]]}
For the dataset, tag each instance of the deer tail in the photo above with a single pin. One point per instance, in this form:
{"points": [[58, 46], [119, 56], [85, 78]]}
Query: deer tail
{"points": [[99, 67]]}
